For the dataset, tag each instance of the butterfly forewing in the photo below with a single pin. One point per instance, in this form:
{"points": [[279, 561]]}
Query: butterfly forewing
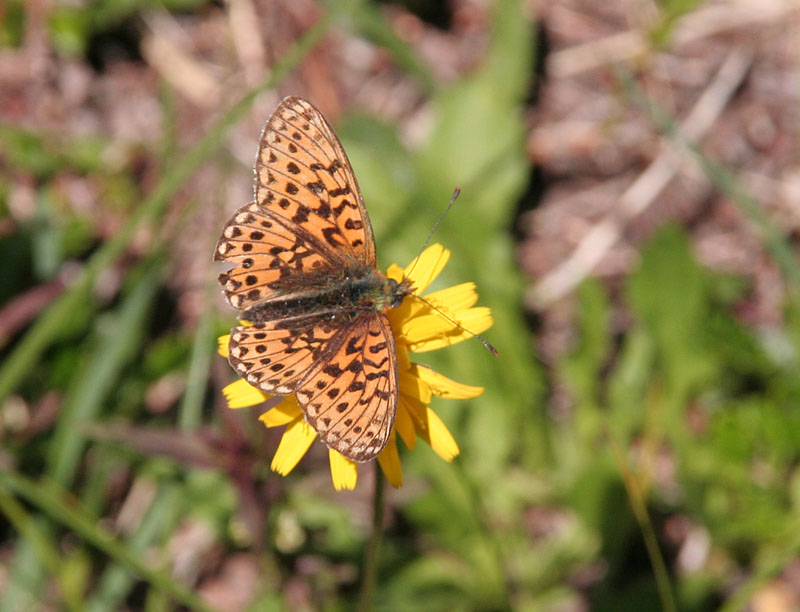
{"points": [[271, 258], [304, 176]]}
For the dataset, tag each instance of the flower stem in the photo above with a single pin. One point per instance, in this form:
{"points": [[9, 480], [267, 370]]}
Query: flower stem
{"points": [[638, 502], [369, 572]]}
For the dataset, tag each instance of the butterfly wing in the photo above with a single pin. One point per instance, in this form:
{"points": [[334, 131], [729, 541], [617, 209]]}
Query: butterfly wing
{"points": [[277, 355], [345, 378], [271, 259], [351, 401], [306, 230], [303, 175], [308, 221]]}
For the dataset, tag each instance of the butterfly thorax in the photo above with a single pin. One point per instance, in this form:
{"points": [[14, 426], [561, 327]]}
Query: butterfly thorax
{"points": [[342, 297]]}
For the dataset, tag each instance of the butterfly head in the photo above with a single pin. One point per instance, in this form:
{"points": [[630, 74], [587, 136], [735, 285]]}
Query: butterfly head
{"points": [[398, 291]]}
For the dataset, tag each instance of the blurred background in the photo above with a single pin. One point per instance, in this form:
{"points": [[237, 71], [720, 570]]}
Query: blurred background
{"points": [[630, 211]]}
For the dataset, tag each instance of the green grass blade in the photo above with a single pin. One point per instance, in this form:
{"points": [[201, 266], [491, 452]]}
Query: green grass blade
{"points": [[31, 530], [44, 330], [117, 343], [54, 501], [373, 26], [116, 582], [190, 411]]}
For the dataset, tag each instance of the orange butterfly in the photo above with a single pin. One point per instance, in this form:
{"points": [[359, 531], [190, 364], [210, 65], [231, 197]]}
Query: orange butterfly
{"points": [[306, 277]]}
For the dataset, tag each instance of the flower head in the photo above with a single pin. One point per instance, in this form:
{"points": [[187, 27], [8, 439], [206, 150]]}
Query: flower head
{"points": [[417, 328]]}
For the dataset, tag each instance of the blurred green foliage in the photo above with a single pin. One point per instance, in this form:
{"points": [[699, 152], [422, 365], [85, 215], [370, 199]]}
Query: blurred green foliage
{"points": [[72, 25], [670, 12], [533, 503]]}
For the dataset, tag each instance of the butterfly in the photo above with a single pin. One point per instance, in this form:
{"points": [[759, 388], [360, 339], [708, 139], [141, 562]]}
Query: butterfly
{"points": [[307, 282]]}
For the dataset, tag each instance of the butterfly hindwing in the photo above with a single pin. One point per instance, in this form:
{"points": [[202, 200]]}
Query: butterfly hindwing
{"points": [[345, 378], [352, 399], [275, 356]]}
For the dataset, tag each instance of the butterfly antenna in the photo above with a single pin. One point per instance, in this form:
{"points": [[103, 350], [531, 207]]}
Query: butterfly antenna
{"points": [[450, 319], [447, 317], [456, 193]]}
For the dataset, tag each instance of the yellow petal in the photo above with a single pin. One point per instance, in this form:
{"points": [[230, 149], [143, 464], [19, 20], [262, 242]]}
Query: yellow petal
{"points": [[399, 315], [295, 442], [440, 438], [395, 272], [285, 412], [425, 268], [450, 302], [416, 410], [404, 426], [344, 472], [412, 306], [241, 394], [442, 386], [430, 428], [389, 460], [412, 385], [403, 358], [458, 297], [432, 332], [477, 320], [222, 345]]}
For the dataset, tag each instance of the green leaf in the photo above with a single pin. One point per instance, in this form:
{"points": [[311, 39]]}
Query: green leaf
{"points": [[669, 295]]}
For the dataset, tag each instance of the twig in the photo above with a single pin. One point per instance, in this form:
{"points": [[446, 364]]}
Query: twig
{"points": [[694, 26], [247, 39], [643, 191], [164, 48], [23, 308]]}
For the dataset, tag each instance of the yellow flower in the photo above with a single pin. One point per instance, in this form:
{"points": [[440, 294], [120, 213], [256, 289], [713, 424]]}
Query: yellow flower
{"points": [[417, 328]]}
